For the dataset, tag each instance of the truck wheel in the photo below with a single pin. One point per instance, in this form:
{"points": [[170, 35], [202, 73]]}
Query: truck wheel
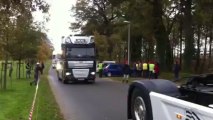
{"points": [[141, 105], [64, 81], [92, 82]]}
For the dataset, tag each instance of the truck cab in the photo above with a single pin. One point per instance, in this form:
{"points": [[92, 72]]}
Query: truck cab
{"points": [[78, 59]]}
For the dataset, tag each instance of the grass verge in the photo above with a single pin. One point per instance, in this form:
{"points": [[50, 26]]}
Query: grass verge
{"points": [[164, 75], [15, 102]]}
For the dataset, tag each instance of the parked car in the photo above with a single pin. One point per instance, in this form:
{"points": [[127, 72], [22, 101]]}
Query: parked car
{"points": [[113, 70], [105, 63]]}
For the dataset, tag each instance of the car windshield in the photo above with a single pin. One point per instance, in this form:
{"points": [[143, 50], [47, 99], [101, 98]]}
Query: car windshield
{"points": [[80, 52]]}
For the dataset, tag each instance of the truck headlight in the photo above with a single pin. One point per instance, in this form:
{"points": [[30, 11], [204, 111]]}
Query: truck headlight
{"points": [[92, 73], [68, 73]]}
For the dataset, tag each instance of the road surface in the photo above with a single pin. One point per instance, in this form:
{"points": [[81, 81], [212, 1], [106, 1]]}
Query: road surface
{"points": [[104, 100]]}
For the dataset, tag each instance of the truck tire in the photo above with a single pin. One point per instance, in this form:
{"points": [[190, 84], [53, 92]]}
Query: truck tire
{"points": [[140, 99], [64, 81], [141, 105], [92, 82]]}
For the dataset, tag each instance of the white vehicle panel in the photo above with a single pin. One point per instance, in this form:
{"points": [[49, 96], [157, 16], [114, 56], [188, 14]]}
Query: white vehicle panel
{"points": [[80, 64], [169, 108], [80, 73]]}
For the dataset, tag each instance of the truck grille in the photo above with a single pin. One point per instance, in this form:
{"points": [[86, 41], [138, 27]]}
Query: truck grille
{"points": [[80, 73], [80, 64]]}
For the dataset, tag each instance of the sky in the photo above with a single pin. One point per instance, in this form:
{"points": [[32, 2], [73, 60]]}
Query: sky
{"points": [[60, 19]]}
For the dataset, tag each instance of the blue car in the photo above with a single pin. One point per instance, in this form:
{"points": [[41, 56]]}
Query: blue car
{"points": [[113, 70]]}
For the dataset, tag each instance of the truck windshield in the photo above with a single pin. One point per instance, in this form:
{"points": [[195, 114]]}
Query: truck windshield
{"points": [[80, 52]]}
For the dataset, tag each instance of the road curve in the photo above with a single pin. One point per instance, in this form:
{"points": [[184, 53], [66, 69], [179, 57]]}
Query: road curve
{"points": [[104, 100]]}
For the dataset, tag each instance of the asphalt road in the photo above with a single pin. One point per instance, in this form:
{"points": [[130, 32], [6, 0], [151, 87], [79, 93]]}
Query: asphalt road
{"points": [[104, 100]]}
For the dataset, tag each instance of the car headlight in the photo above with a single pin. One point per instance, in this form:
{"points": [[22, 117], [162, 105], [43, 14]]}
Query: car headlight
{"points": [[68, 73], [92, 73]]}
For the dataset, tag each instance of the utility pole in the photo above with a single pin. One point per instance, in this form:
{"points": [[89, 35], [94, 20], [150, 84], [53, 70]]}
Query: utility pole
{"points": [[129, 28]]}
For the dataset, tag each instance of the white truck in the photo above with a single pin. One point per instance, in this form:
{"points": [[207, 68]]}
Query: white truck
{"points": [[78, 61], [162, 100]]}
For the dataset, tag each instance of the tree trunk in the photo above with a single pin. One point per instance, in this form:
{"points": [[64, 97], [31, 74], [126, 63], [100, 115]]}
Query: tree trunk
{"points": [[169, 55], [210, 48], [181, 32], [204, 55], [6, 62], [197, 65], [19, 69], [163, 46], [108, 33], [6, 50], [151, 50], [181, 41], [5, 72], [189, 39]]}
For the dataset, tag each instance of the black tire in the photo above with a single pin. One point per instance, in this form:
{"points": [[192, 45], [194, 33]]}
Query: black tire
{"points": [[92, 82], [143, 88], [64, 81], [144, 95]]}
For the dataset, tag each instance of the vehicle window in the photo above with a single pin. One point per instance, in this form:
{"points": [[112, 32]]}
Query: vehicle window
{"points": [[113, 66], [80, 52], [107, 66]]}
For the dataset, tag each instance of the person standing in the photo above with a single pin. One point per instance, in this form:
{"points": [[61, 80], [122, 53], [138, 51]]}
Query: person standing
{"points": [[10, 70], [156, 70], [176, 70], [28, 70], [151, 69], [134, 70], [42, 67], [139, 69], [36, 74], [126, 72], [100, 69], [145, 69]]}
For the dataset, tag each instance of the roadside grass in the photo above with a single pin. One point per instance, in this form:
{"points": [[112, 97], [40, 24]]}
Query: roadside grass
{"points": [[163, 75], [16, 101], [46, 107]]}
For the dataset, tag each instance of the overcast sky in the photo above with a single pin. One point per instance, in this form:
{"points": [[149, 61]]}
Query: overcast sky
{"points": [[60, 18]]}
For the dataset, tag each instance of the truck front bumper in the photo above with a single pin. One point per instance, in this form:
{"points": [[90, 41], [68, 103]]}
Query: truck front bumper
{"points": [[72, 78]]}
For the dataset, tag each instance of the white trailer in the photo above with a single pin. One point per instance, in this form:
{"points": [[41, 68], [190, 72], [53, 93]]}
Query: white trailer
{"points": [[162, 100]]}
